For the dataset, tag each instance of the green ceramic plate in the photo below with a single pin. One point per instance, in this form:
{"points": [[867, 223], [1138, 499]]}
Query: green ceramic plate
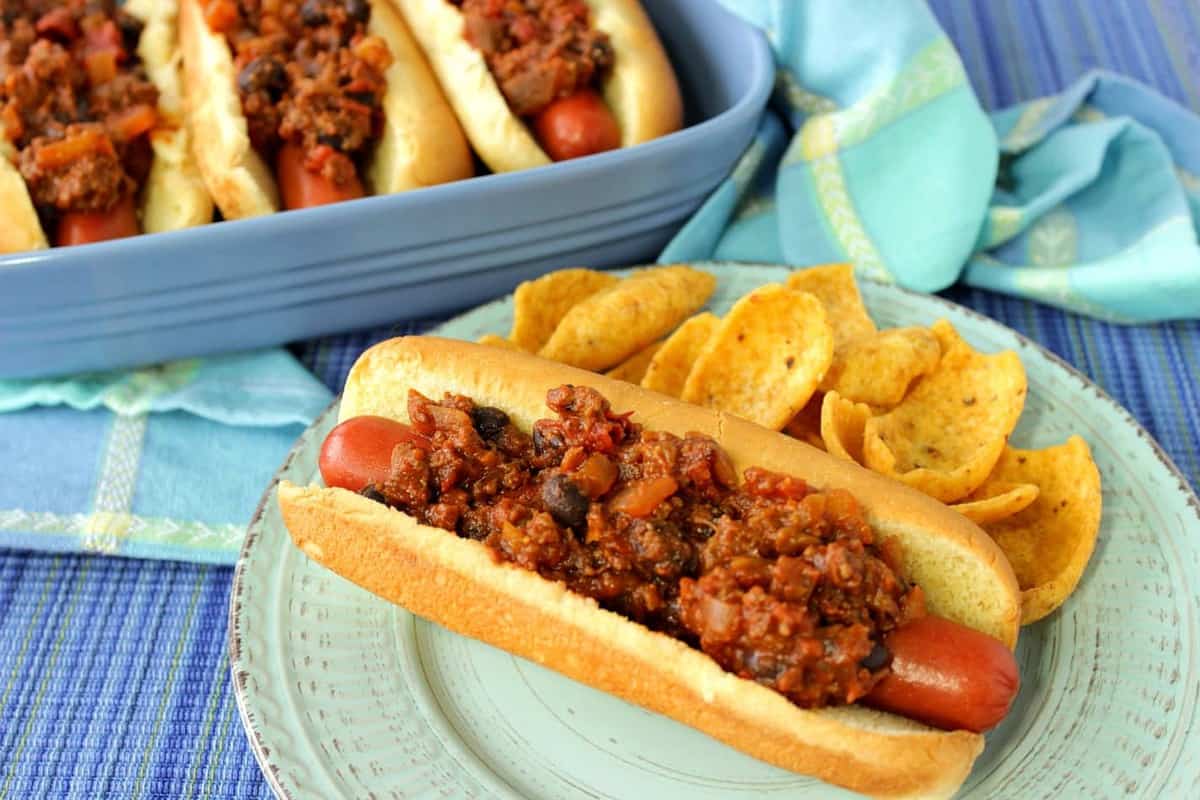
{"points": [[344, 695]]}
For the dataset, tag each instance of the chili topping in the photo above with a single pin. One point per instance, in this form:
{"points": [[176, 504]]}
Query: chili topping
{"points": [[537, 50], [308, 74], [777, 582], [75, 102]]}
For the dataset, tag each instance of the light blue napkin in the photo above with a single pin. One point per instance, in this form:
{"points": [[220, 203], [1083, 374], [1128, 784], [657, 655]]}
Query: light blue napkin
{"points": [[1098, 203], [886, 159], [881, 155], [163, 462]]}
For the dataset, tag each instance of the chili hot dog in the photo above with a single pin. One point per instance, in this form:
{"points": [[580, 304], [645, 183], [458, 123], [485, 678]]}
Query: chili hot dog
{"points": [[938, 672], [307, 102], [93, 136], [535, 81], [608, 532]]}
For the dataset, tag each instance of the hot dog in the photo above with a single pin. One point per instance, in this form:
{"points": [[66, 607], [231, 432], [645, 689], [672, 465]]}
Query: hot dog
{"points": [[535, 81], [93, 138], [942, 561], [941, 673], [308, 102]]}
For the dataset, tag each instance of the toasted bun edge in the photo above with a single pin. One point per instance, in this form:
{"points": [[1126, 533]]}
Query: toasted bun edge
{"points": [[642, 90], [238, 179], [497, 135], [22, 230], [174, 195], [422, 142]]}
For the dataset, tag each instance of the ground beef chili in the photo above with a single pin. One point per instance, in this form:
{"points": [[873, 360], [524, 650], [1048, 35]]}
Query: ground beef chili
{"points": [[75, 102], [537, 50], [777, 582], [307, 74]]}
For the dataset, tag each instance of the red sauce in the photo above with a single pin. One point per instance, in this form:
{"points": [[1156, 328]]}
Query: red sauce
{"points": [[779, 583]]}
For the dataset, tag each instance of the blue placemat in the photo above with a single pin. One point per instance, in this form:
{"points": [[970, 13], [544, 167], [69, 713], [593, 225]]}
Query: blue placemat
{"points": [[114, 680]]}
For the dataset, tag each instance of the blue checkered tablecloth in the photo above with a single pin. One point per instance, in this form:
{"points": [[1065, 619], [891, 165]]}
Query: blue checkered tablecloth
{"points": [[114, 678]]}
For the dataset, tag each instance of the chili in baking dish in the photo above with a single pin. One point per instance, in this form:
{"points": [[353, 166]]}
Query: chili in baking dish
{"points": [[777, 582], [537, 50], [308, 75], [75, 103]]}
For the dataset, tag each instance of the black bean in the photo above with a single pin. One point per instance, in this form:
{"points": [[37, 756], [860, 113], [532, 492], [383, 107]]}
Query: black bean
{"points": [[473, 527], [366, 98], [131, 31], [601, 52], [330, 139], [312, 13], [262, 74], [565, 502], [546, 441], [877, 659], [371, 493], [358, 10], [489, 422]]}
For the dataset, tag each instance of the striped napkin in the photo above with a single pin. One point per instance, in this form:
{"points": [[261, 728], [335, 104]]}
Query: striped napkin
{"points": [[166, 462], [880, 154]]}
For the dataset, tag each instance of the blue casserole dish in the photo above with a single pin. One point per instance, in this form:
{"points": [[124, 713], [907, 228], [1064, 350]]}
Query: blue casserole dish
{"points": [[298, 274]]}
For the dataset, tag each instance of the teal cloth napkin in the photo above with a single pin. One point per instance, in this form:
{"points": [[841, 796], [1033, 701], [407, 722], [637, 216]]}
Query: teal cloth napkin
{"points": [[1097, 203], [164, 462], [880, 154]]}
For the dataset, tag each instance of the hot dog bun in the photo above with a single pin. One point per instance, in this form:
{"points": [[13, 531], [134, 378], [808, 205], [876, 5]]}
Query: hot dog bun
{"points": [[236, 176], [174, 196], [458, 584], [22, 230], [422, 143], [642, 90]]}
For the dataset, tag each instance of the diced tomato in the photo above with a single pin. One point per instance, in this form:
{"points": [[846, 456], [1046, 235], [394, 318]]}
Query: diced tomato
{"points": [[57, 23], [101, 66], [14, 126], [596, 475], [63, 152], [374, 51], [354, 107], [524, 29], [221, 15], [132, 122], [640, 498], [106, 37]]}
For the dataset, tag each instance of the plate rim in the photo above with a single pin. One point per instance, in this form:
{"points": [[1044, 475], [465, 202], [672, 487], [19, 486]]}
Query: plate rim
{"points": [[234, 645]]}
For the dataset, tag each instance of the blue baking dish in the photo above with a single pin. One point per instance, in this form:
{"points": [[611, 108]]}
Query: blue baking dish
{"points": [[235, 285]]}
